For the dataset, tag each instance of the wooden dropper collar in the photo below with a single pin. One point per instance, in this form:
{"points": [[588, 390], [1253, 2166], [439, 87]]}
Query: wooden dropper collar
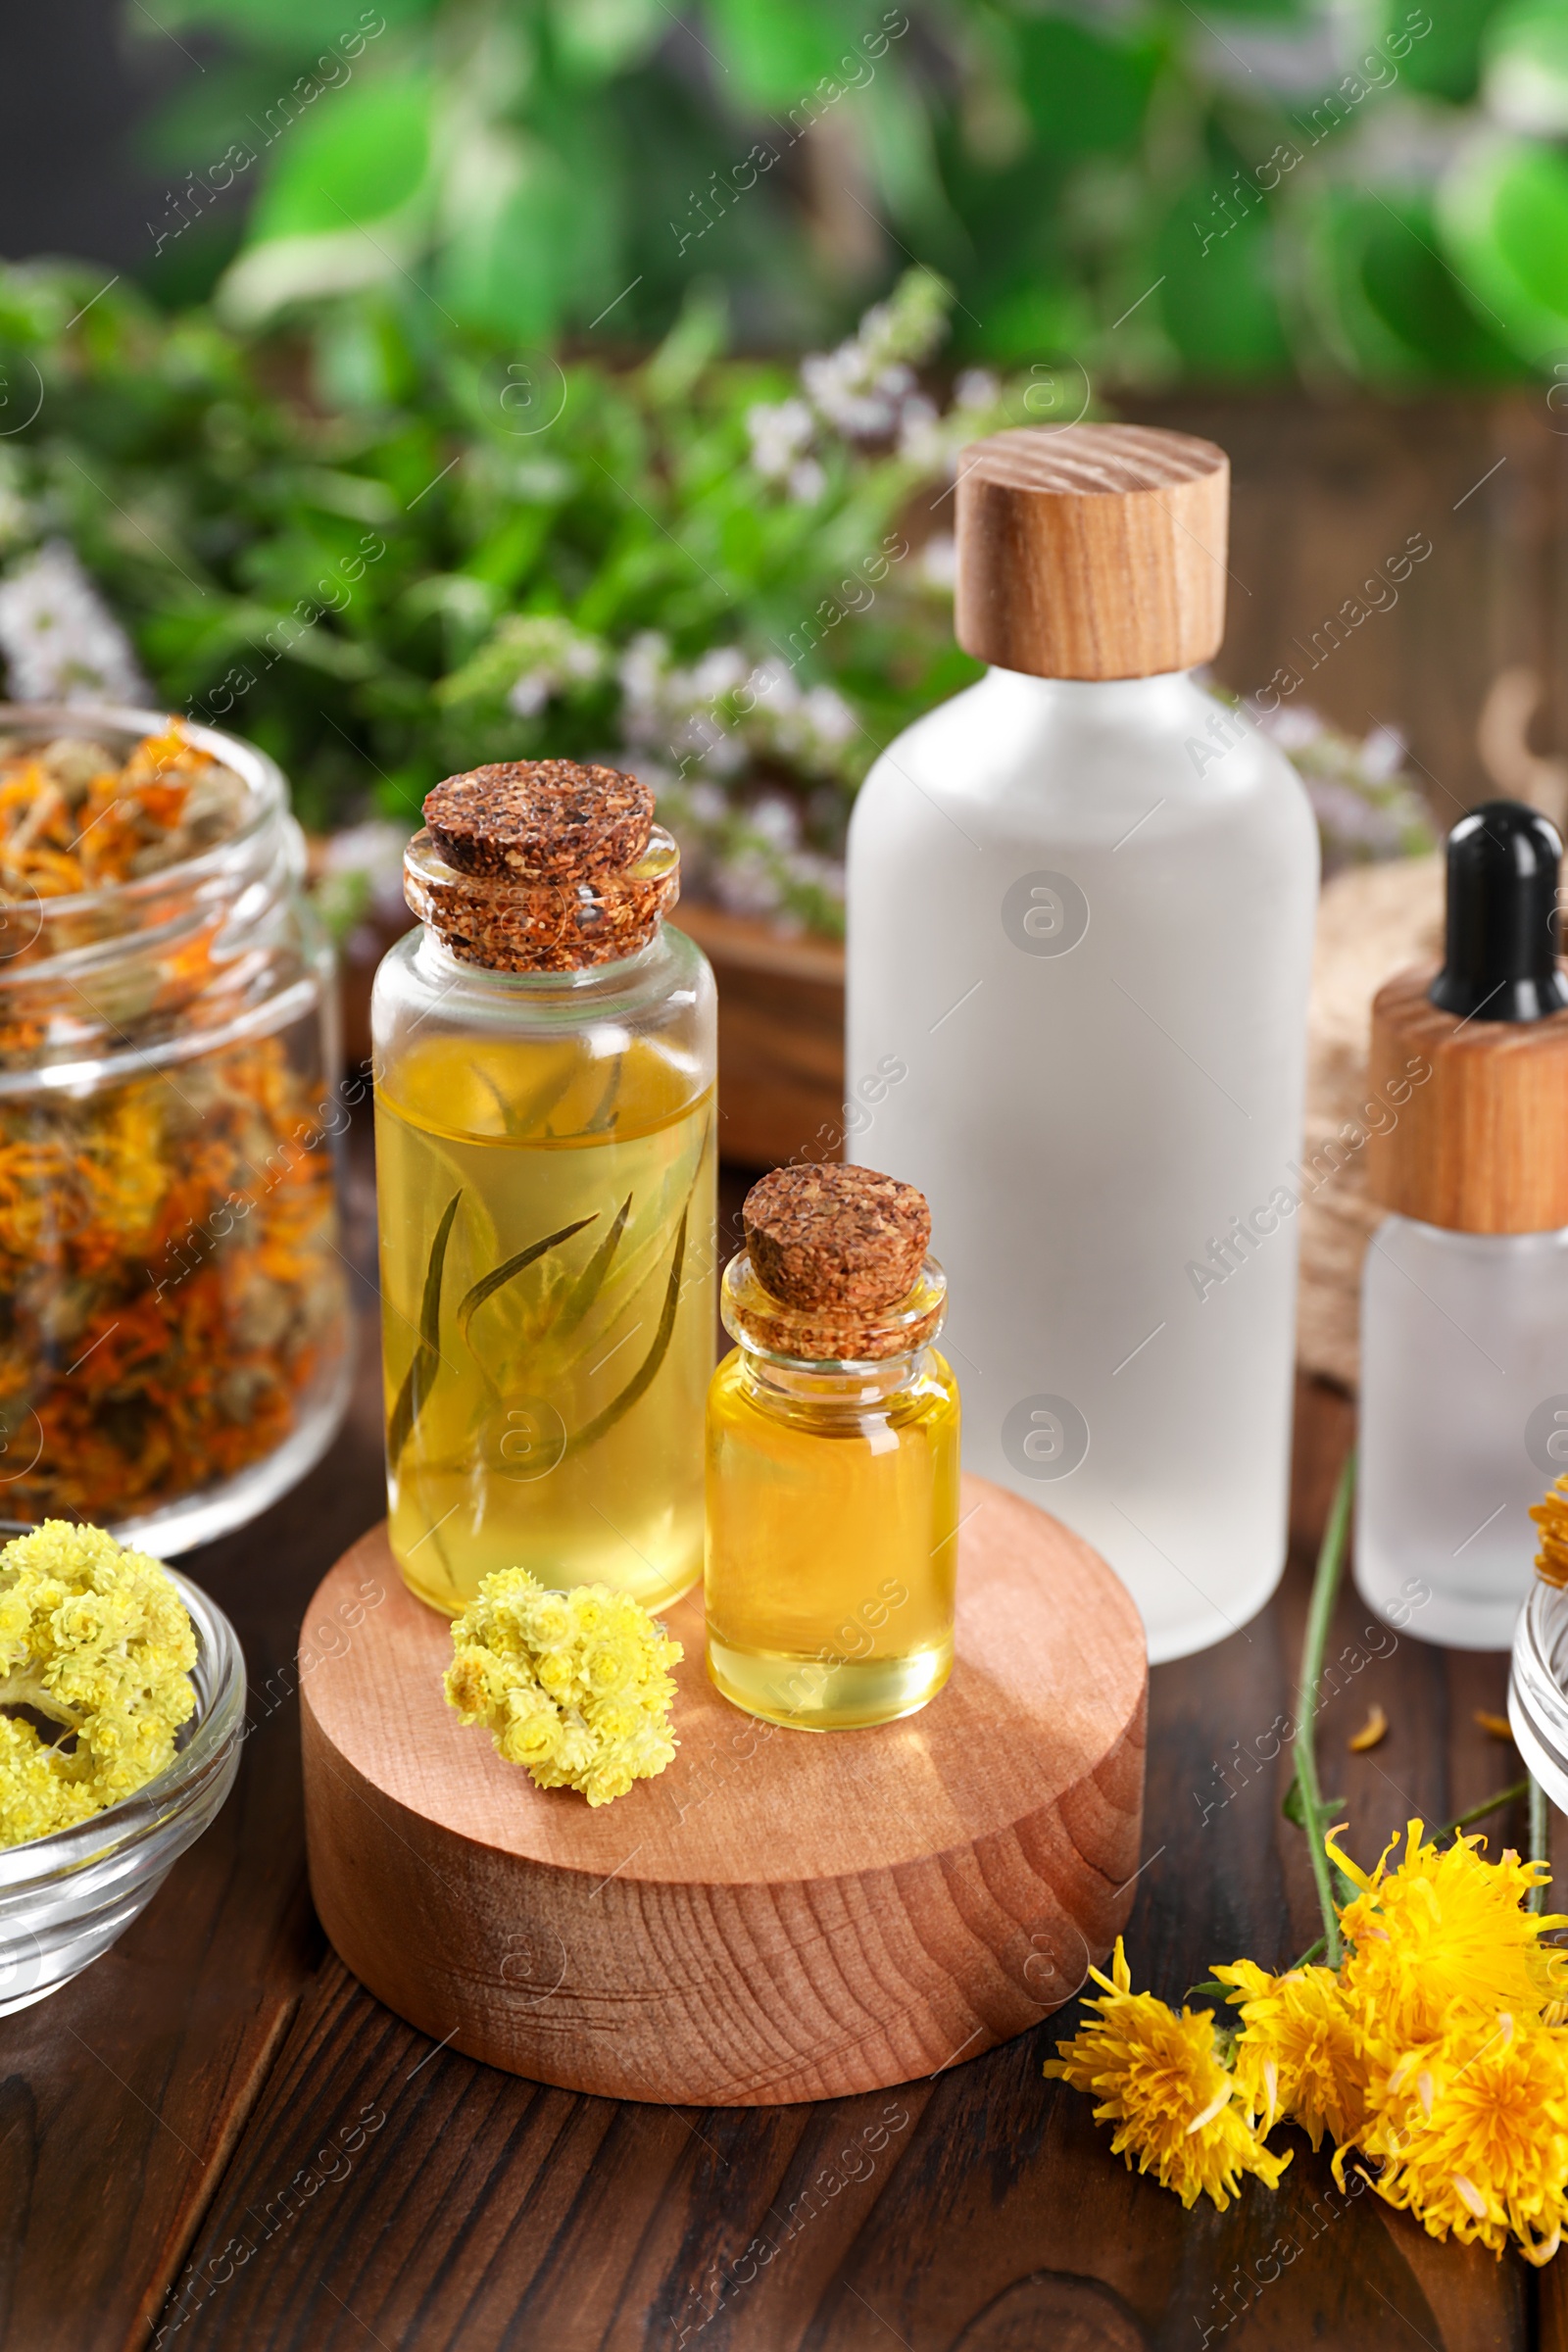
{"points": [[1469, 1066], [1097, 551]]}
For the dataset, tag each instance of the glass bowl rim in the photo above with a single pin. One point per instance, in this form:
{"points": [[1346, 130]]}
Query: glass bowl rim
{"points": [[215, 1728]]}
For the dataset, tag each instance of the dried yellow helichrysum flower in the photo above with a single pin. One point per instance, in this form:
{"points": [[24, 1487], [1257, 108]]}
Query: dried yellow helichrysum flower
{"points": [[96, 1640], [1550, 1515], [572, 1686]]}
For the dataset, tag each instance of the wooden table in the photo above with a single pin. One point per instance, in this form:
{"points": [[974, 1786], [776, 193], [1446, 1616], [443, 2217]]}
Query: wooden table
{"points": [[215, 2138]]}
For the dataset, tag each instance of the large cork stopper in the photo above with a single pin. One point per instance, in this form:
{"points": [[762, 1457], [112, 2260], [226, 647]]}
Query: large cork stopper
{"points": [[537, 865], [1097, 551], [835, 1251]]}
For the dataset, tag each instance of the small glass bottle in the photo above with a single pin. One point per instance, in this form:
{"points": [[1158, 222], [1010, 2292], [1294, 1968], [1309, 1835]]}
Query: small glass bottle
{"points": [[1464, 1303], [832, 1457], [544, 1072]]}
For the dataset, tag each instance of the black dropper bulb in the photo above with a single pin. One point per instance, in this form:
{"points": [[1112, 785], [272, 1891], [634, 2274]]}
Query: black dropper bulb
{"points": [[1500, 945]]}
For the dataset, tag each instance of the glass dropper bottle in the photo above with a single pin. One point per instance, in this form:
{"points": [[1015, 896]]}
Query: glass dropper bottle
{"points": [[1464, 1302]]}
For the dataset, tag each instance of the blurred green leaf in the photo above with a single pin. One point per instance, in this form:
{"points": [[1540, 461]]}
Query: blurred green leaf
{"points": [[697, 338], [1504, 211], [1218, 301], [1443, 60], [346, 157], [1084, 93], [779, 50], [1393, 309], [534, 243], [1526, 67], [600, 37]]}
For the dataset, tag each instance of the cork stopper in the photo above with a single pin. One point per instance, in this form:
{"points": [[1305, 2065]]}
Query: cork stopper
{"points": [[1468, 1122], [542, 821], [539, 866], [836, 1266], [1092, 552]]}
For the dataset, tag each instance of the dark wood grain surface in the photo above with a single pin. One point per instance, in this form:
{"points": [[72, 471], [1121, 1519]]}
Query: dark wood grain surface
{"points": [[215, 2139]]}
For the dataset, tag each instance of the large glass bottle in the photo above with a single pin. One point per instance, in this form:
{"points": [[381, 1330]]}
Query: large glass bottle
{"points": [[1081, 898], [546, 1157]]}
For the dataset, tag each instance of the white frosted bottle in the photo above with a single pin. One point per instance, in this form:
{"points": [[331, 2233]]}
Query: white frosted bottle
{"points": [[1465, 1296], [1081, 898]]}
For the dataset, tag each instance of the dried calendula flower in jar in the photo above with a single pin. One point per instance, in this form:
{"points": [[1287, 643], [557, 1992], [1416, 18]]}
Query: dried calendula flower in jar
{"points": [[72, 816], [171, 1301]]}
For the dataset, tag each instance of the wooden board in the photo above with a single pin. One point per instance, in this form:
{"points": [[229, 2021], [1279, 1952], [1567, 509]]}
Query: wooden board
{"points": [[857, 1909]]}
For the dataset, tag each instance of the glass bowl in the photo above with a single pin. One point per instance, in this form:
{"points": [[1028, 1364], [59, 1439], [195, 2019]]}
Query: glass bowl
{"points": [[1538, 1689], [65, 1899]]}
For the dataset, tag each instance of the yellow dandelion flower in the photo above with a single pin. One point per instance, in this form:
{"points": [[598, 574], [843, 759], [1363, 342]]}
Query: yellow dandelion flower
{"points": [[1159, 2078], [1299, 2052], [1443, 1937], [1471, 2132]]}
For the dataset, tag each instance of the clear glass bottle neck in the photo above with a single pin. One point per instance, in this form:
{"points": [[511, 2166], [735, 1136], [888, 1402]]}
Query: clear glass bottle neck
{"points": [[847, 1353], [847, 1388], [437, 965]]}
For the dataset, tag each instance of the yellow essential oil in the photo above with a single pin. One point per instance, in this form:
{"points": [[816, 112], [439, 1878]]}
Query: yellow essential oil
{"points": [[832, 1504], [554, 1424]]}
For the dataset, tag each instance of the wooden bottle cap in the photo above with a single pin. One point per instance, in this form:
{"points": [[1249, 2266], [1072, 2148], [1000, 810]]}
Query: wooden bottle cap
{"points": [[1472, 1115], [1093, 552]]}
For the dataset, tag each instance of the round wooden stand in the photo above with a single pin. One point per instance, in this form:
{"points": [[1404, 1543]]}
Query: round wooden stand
{"points": [[781, 1914]]}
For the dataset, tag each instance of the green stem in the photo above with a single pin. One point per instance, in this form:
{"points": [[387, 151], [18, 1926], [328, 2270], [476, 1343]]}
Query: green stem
{"points": [[1488, 1805], [1319, 1616], [1540, 1838]]}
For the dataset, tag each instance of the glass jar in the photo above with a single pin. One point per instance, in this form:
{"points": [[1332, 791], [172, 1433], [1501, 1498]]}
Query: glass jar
{"points": [[1538, 1689], [832, 1512], [175, 1349], [546, 1166]]}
